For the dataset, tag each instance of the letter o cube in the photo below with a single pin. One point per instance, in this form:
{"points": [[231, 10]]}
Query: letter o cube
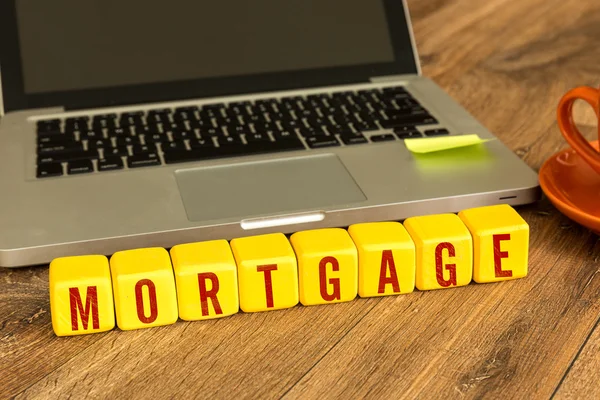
{"points": [[144, 288]]}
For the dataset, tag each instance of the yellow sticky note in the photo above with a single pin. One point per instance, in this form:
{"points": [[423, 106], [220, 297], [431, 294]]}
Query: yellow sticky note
{"points": [[267, 272], [440, 143], [206, 280], [386, 258], [444, 251], [144, 288], [501, 242], [81, 298], [327, 266]]}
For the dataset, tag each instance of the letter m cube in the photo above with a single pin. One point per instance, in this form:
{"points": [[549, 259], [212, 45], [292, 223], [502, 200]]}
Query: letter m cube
{"points": [[81, 298]]}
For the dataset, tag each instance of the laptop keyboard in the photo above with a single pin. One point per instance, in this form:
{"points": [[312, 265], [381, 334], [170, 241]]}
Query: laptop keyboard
{"points": [[139, 139]]}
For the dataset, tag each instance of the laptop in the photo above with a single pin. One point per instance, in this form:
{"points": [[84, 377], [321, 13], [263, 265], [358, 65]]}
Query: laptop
{"points": [[142, 123]]}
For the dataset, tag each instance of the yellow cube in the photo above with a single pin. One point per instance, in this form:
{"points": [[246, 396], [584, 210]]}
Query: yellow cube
{"points": [[267, 272], [444, 251], [327, 265], [501, 242], [81, 298], [144, 288], [206, 280], [386, 258]]}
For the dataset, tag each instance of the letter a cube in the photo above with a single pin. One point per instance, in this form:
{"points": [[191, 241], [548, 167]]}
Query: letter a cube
{"points": [[444, 251], [206, 280], [267, 272], [144, 288], [501, 242], [386, 258], [327, 266], [81, 298]]}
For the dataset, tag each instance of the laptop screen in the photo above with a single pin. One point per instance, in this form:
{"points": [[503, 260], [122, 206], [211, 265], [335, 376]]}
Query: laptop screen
{"points": [[74, 44], [95, 53]]}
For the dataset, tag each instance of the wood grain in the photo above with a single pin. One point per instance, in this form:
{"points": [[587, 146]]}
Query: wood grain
{"points": [[508, 62]]}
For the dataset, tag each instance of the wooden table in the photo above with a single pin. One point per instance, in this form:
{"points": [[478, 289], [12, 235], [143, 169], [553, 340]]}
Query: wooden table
{"points": [[508, 62]]}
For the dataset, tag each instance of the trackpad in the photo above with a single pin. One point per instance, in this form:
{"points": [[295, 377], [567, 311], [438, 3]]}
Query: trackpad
{"points": [[261, 188]]}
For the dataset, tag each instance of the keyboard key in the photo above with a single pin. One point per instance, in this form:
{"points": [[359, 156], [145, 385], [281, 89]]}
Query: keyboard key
{"points": [[116, 132], [382, 138], [408, 120], [143, 148], [105, 121], [67, 156], [99, 143], [408, 134], [311, 131], [173, 146], [80, 167], [110, 163], [143, 160], [365, 126], [436, 132], [45, 139], [236, 129], [261, 127], [227, 141], [182, 135], [317, 142], [127, 140], [59, 148], [353, 138], [257, 137], [48, 170], [48, 123], [76, 125], [284, 135], [91, 134], [116, 151], [155, 138], [201, 143]]}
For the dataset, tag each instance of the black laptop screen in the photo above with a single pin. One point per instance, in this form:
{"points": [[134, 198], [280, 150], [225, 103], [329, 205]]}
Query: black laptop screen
{"points": [[73, 44]]}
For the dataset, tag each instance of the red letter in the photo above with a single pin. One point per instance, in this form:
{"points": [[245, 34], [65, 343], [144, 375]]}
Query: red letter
{"points": [[139, 300], [268, 284], [387, 260], [91, 301], [335, 282], [439, 273], [206, 294], [499, 255]]}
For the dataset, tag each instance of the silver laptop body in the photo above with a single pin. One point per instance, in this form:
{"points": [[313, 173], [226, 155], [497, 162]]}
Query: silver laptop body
{"points": [[101, 212]]}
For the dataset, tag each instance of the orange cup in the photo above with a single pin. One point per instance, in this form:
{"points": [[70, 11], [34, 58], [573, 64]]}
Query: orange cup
{"points": [[569, 129]]}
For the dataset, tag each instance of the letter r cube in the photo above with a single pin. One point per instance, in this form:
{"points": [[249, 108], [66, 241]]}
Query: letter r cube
{"points": [[501, 242], [81, 298], [206, 280]]}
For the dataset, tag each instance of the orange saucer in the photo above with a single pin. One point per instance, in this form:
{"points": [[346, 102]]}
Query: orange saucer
{"points": [[573, 187]]}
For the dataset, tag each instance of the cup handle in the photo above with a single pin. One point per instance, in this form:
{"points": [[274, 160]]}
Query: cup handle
{"points": [[569, 129]]}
